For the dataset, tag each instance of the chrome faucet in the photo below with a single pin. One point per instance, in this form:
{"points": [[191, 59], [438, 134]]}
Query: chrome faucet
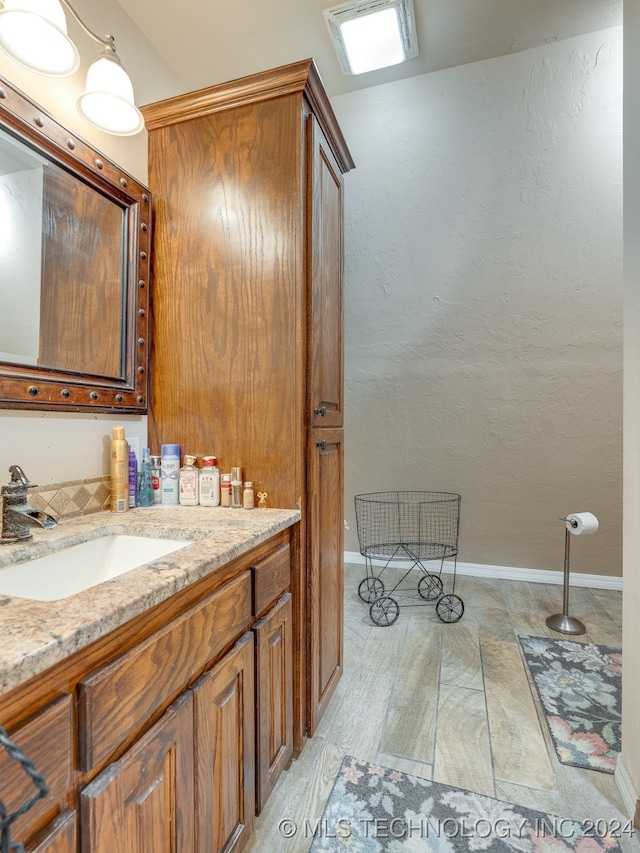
{"points": [[17, 514]]}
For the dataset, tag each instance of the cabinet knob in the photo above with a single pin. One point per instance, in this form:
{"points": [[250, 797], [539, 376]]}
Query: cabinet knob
{"points": [[321, 410], [321, 444]]}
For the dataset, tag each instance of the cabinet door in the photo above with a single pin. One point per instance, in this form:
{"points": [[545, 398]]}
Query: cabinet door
{"points": [[326, 299], [59, 837], [46, 740], [274, 696], [225, 751], [325, 567], [145, 801]]}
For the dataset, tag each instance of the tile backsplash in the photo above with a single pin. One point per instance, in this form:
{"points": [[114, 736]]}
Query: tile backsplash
{"points": [[73, 498]]}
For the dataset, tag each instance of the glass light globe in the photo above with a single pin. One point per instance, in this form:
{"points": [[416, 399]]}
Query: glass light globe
{"points": [[34, 34], [108, 101]]}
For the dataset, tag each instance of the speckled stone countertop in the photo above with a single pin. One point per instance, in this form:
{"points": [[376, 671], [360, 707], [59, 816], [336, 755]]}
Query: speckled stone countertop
{"points": [[34, 635]]}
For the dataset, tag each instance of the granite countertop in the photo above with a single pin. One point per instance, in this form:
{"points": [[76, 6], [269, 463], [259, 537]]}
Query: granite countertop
{"points": [[34, 635]]}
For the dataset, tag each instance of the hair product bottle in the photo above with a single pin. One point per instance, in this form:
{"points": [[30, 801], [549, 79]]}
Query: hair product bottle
{"points": [[145, 489], [170, 470], [119, 471], [133, 479]]}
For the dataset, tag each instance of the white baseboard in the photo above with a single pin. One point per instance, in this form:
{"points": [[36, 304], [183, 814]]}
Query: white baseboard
{"points": [[513, 573], [630, 796]]}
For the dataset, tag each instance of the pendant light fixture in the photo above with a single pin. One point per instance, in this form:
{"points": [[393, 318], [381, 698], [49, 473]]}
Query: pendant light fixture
{"points": [[34, 34]]}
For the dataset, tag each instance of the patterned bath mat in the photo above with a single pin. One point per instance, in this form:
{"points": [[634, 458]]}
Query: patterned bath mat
{"points": [[580, 687], [374, 809]]}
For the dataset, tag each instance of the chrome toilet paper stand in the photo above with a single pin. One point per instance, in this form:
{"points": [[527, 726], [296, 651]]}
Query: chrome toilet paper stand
{"points": [[562, 621]]}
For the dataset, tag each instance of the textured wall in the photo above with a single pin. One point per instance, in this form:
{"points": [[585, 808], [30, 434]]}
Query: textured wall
{"points": [[484, 297], [631, 624]]}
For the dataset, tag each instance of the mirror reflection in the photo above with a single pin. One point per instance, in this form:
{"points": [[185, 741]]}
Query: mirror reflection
{"points": [[62, 267]]}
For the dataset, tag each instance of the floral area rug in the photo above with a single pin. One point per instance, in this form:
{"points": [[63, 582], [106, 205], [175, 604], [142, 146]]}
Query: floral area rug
{"points": [[580, 687], [374, 809]]}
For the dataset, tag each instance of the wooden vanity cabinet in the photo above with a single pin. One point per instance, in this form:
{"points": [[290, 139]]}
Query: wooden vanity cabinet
{"points": [[167, 721], [46, 739], [144, 802], [274, 696], [248, 315], [224, 713]]}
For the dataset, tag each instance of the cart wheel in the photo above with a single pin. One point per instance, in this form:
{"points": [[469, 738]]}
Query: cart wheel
{"points": [[430, 587], [370, 588], [449, 608], [384, 611]]}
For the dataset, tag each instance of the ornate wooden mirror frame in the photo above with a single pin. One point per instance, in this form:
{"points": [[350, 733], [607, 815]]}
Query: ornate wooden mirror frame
{"points": [[80, 374]]}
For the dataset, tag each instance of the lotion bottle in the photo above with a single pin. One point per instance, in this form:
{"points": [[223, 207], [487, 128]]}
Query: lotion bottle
{"points": [[189, 482], [119, 471], [209, 482]]}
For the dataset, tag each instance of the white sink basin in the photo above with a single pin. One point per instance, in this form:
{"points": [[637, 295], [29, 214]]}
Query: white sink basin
{"points": [[80, 567]]}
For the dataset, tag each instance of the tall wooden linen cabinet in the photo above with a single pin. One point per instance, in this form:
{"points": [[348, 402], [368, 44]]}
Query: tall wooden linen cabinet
{"points": [[248, 318]]}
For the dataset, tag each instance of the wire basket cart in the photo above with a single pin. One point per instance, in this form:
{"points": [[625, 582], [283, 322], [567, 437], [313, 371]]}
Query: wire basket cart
{"points": [[416, 528]]}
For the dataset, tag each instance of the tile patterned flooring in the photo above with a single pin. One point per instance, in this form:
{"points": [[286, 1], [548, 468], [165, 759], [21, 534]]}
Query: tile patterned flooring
{"points": [[449, 702]]}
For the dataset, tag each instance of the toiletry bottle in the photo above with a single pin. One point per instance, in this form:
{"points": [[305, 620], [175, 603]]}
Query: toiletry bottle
{"points": [[248, 500], [155, 480], [209, 482], [189, 481], [236, 488], [145, 489], [169, 473], [225, 490], [133, 479], [119, 471]]}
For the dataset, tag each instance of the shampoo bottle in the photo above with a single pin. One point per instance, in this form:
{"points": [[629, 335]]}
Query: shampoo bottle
{"points": [[133, 479], [119, 471]]}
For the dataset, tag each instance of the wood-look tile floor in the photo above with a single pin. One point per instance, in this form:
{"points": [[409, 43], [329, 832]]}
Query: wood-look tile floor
{"points": [[448, 702]]}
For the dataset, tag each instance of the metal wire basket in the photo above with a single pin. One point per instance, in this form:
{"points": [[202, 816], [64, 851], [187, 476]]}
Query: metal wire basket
{"points": [[414, 527]]}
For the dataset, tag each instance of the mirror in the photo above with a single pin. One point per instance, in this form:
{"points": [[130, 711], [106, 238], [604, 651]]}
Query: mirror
{"points": [[74, 269]]}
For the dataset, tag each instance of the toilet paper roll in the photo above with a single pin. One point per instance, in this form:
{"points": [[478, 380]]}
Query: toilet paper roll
{"points": [[580, 523]]}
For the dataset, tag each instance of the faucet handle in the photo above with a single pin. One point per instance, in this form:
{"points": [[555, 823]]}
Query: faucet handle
{"points": [[18, 476]]}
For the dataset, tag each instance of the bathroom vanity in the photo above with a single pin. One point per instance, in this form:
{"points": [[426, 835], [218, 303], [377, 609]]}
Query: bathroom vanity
{"points": [[158, 704]]}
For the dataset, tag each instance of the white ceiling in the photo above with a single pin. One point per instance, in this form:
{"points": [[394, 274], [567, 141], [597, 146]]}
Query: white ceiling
{"points": [[208, 41]]}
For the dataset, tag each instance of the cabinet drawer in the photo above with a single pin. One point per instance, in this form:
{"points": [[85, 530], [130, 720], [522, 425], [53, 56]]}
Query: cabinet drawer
{"points": [[47, 741], [118, 699], [271, 577]]}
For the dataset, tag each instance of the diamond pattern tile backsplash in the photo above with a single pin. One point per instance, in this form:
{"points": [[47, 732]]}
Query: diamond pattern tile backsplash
{"points": [[72, 499]]}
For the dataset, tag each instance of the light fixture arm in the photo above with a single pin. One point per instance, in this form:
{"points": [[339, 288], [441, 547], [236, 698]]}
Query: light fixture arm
{"points": [[107, 41]]}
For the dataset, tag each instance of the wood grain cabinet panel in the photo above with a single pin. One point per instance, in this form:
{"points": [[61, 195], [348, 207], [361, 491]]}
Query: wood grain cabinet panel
{"points": [[118, 699], [248, 288], [326, 569], [47, 741], [274, 696], [225, 751], [271, 577], [144, 802], [326, 343]]}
